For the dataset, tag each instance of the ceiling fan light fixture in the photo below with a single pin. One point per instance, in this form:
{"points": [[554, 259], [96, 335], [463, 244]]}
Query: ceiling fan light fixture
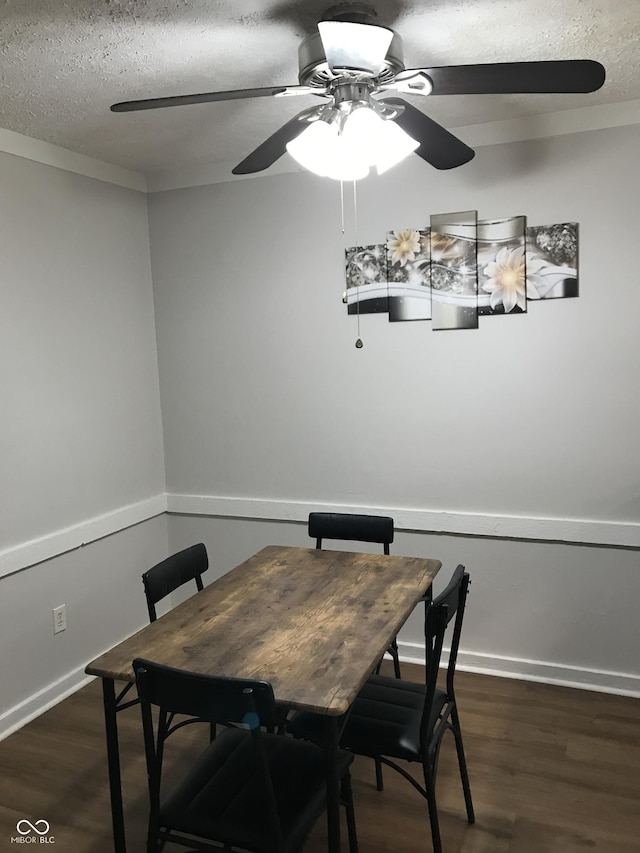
{"points": [[355, 47], [345, 166], [381, 143], [321, 149], [361, 131], [394, 144], [344, 148], [310, 147]]}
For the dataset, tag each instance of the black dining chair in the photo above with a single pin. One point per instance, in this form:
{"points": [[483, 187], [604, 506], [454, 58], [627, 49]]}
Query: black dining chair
{"points": [[178, 569], [358, 528], [394, 719], [161, 580], [249, 789]]}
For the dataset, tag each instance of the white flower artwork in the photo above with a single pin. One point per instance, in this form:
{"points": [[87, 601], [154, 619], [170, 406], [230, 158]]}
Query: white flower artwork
{"points": [[502, 268], [409, 274]]}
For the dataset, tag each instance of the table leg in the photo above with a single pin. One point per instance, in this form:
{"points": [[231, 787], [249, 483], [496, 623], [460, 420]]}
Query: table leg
{"points": [[332, 726], [113, 761]]}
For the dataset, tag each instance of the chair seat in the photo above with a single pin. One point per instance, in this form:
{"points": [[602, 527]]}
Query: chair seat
{"points": [[386, 713], [222, 797]]}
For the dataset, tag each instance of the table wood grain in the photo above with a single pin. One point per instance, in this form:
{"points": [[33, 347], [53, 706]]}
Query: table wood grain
{"points": [[314, 623]]}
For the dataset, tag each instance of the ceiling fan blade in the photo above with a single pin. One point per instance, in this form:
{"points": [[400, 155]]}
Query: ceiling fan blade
{"points": [[208, 97], [276, 145], [437, 146], [505, 78]]}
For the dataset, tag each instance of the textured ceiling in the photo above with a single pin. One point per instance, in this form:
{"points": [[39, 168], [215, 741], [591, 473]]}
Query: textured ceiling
{"points": [[63, 62]]}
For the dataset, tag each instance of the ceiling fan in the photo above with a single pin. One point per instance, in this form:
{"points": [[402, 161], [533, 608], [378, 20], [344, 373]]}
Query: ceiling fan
{"points": [[351, 61]]}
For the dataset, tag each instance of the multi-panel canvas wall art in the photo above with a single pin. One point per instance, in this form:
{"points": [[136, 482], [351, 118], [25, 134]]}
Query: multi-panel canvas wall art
{"points": [[462, 268]]}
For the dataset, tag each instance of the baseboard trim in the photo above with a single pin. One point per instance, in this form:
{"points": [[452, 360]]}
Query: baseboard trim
{"points": [[570, 530], [69, 538], [544, 672], [18, 716]]}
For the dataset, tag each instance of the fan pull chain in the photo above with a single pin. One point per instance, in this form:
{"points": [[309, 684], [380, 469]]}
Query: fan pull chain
{"points": [[345, 295], [359, 343]]}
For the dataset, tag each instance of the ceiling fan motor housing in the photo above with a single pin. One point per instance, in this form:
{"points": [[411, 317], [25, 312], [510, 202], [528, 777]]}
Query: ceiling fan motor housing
{"points": [[314, 69], [355, 13]]}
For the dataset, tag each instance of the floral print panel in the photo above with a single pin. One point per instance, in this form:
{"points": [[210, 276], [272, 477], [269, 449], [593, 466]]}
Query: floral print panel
{"points": [[409, 274], [454, 270], [502, 266], [552, 261], [366, 271]]}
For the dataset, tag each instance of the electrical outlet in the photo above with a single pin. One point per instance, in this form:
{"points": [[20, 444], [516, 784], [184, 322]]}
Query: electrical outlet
{"points": [[60, 619]]}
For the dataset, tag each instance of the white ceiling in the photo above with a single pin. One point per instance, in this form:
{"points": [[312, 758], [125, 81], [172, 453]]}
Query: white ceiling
{"points": [[64, 62]]}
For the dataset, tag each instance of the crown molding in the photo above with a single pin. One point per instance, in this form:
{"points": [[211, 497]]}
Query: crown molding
{"points": [[560, 123], [520, 129], [70, 161], [581, 120]]}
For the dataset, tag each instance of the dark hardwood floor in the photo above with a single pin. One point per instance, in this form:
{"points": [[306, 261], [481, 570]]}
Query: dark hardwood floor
{"points": [[553, 770]]}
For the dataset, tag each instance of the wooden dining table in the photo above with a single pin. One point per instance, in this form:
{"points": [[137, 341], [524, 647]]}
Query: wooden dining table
{"points": [[314, 623]]}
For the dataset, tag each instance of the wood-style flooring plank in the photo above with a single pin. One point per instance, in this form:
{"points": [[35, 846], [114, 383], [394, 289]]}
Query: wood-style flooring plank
{"points": [[553, 770]]}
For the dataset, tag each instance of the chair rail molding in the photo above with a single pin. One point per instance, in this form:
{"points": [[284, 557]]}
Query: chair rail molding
{"points": [[570, 530], [612, 534], [58, 542]]}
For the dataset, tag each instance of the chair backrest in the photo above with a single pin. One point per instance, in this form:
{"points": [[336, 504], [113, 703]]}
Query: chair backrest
{"points": [[214, 699], [453, 597], [349, 526], [167, 576]]}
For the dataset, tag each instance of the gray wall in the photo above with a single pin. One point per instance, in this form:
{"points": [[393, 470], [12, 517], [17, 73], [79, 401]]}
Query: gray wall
{"points": [[537, 610], [80, 432], [264, 394], [530, 417], [524, 429]]}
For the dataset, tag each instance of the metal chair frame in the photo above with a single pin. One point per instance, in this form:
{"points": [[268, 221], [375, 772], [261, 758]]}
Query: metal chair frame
{"points": [[451, 601], [250, 705]]}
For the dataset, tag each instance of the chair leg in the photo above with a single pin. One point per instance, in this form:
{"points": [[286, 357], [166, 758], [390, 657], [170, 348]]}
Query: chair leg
{"points": [[430, 788], [393, 650], [152, 843], [379, 782], [347, 796], [462, 762]]}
